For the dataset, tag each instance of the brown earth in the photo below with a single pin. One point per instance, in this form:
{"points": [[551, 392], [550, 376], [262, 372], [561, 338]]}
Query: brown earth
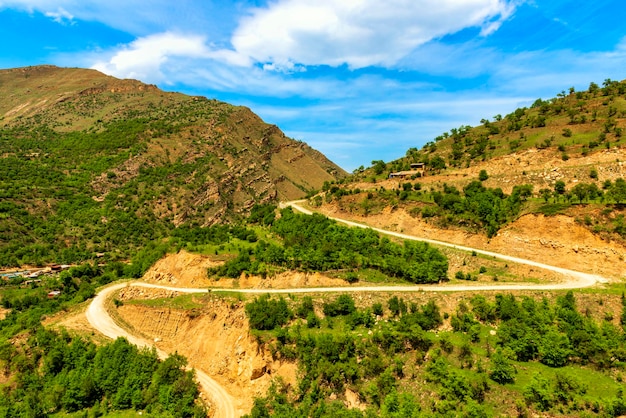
{"points": [[181, 269], [215, 339], [541, 168], [250, 161], [189, 270], [558, 240]]}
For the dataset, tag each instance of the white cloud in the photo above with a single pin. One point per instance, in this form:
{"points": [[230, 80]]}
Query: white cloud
{"points": [[143, 58], [359, 33], [141, 18]]}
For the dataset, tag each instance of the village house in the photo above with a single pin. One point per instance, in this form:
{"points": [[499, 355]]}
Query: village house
{"points": [[417, 170]]}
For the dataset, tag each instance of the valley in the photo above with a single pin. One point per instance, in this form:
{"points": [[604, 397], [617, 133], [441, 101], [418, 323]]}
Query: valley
{"points": [[169, 329], [481, 275]]}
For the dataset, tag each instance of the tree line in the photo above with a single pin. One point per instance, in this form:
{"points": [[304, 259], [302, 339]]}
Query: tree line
{"points": [[54, 372]]}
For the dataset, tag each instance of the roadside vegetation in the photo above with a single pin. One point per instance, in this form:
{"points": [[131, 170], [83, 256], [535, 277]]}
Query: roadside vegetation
{"points": [[316, 243]]}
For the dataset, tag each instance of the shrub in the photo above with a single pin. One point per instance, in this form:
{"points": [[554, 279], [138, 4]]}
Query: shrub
{"points": [[343, 305], [265, 313]]}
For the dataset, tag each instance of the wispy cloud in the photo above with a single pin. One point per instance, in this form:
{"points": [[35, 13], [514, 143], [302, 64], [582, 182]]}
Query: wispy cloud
{"points": [[145, 57], [61, 16], [142, 18]]}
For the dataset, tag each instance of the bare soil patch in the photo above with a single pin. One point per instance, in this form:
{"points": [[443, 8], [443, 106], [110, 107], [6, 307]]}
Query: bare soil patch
{"points": [[185, 269], [181, 269], [215, 339]]}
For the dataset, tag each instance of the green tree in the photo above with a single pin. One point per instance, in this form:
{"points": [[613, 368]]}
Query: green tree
{"points": [[502, 370], [265, 313], [522, 192], [538, 392], [437, 163], [379, 166], [581, 191], [545, 194], [617, 191], [343, 305], [554, 349], [559, 187]]}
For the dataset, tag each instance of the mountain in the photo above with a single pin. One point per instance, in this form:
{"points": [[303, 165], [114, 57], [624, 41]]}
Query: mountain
{"points": [[93, 164], [572, 125]]}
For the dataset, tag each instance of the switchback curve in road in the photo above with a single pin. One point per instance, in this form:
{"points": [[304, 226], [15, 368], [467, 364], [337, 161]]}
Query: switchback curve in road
{"points": [[99, 318]]}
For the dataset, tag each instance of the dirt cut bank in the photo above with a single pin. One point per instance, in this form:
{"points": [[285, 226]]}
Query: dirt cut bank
{"points": [[214, 336]]}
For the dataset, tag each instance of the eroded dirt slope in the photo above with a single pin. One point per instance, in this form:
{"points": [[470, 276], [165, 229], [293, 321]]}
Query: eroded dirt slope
{"points": [[214, 338], [189, 270], [181, 269]]}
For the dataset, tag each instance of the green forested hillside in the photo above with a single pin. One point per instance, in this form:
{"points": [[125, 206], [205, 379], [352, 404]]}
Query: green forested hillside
{"points": [[496, 355], [572, 123], [316, 243], [56, 372], [91, 164]]}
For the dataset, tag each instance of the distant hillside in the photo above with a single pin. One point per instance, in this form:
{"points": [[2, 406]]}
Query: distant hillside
{"points": [[93, 164], [573, 124], [563, 156]]}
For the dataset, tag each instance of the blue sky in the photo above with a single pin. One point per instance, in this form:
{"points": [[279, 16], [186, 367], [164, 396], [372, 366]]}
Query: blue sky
{"points": [[360, 80]]}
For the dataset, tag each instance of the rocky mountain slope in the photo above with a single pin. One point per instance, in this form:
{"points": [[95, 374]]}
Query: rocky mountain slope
{"points": [[86, 156]]}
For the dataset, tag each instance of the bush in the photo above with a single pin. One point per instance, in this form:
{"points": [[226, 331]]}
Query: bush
{"points": [[459, 275], [502, 370], [343, 305], [352, 277], [265, 313]]}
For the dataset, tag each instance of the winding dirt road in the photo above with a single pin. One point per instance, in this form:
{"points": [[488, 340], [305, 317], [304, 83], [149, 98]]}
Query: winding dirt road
{"points": [[100, 319]]}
